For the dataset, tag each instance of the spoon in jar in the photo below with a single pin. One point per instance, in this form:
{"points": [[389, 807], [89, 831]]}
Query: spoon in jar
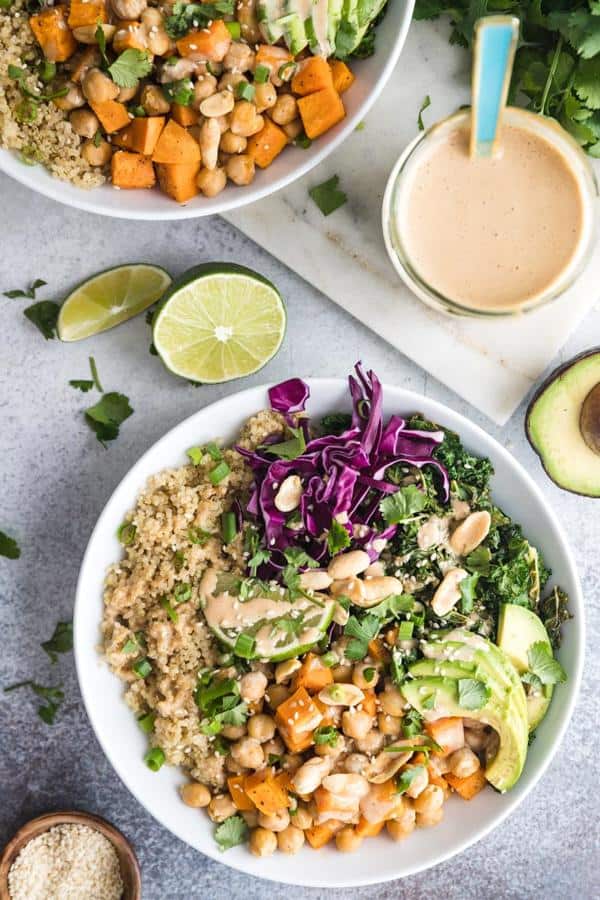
{"points": [[495, 43]]}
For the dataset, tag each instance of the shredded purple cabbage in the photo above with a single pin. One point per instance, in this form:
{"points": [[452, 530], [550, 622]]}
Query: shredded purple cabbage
{"points": [[343, 476]]}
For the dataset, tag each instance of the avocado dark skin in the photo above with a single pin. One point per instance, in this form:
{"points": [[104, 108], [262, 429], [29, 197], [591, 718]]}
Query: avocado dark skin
{"points": [[589, 421]]}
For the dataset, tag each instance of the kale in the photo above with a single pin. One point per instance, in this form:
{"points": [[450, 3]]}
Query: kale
{"points": [[336, 423], [553, 611]]}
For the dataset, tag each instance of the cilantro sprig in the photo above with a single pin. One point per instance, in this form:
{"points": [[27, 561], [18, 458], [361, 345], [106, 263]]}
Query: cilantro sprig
{"points": [[231, 832], [129, 67], [328, 196], [52, 697], [60, 642], [9, 547]]}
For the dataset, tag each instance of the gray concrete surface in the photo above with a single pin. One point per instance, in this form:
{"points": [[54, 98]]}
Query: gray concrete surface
{"points": [[55, 479]]}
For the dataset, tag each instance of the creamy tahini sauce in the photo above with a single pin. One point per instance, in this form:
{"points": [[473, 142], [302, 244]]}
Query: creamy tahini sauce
{"points": [[490, 233]]}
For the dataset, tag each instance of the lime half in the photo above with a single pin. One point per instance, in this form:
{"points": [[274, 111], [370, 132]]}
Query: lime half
{"points": [[218, 322], [109, 298]]}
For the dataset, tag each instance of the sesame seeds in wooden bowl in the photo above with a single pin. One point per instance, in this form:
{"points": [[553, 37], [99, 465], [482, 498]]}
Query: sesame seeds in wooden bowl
{"points": [[72, 843]]}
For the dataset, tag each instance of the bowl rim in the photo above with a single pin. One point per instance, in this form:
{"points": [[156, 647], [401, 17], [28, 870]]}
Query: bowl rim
{"points": [[53, 188], [573, 685], [44, 822]]}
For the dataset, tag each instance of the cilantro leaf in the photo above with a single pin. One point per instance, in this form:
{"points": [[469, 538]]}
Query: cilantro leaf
{"points": [[543, 665], [100, 39], [424, 105], [44, 315], [412, 723], [327, 196], [479, 560], [361, 631], [336, 423], [129, 67], [60, 642], [467, 592], [53, 697], [337, 538], [105, 417], [29, 292], [403, 504], [289, 449], [82, 384], [9, 547], [406, 778], [181, 92], [326, 734], [587, 82], [472, 693], [231, 832]]}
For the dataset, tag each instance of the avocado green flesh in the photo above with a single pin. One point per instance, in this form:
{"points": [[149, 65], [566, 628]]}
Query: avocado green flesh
{"points": [[328, 26], [553, 422], [518, 629]]}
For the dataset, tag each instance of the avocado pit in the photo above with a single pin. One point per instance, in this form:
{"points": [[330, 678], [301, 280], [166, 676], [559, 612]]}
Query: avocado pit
{"points": [[589, 420]]}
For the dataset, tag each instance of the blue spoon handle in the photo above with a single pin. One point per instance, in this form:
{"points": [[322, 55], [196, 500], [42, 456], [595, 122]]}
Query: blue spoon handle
{"points": [[493, 57]]}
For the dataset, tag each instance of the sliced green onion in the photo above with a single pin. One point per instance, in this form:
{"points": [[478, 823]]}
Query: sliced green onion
{"points": [[211, 69], [213, 451], [142, 667], [146, 722], [273, 759], [195, 454], [182, 592], [198, 535], [261, 74], [164, 602], [130, 646], [326, 734], [234, 29], [141, 639], [154, 758], [303, 141], [179, 559], [369, 673], [46, 69], [287, 70], [244, 646], [244, 90], [220, 471], [220, 746], [329, 659], [126, 533], [405, 630], [228, 527], [210, 727], [138, 111]]}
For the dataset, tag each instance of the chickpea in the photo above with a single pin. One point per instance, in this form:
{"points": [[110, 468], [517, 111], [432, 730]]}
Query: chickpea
{"points": [[128, 9], [463, 762], [333, 751], [262, 842], [419, 782], [86, 34], [82, 61], [293, 129], [429, 800], [73, 99], [233, 732], [233, 767], [239, 57], [221, 807], [244, 119], [98, 87], [230, 80], [278, 821], [265, 96], [401, 826], [211, 181], [347, 840], [126, 94], [389, 725], [250, 817], [356, 724], [246, 16], [285, 110], [205, 86], [84, 122], [290, 840], [302, 818], [240, 169], [248, 752], [356, 763], [274, 747], [195, 794], [371, 743], [365, 676], [426, 820], [253, 686], [261, 727], [291, 762], [233, 143], [154, 101], [158, 41], [342, 673], [277, 694], [152, 16], [392, 701], [96, 155]]}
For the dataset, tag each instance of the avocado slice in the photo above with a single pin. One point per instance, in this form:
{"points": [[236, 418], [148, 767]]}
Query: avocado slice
{"points": [[518, 629], [505, 769], [563, 425]]}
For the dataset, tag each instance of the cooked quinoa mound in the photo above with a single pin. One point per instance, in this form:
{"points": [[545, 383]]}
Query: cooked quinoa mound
{"points": [[160, 558], [49, 138]]}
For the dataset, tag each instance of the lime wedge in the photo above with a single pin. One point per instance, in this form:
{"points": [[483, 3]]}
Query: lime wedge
{"points": [[109, 298], [217, 322]]}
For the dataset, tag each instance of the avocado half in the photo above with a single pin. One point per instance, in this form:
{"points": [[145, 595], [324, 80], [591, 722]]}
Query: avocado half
{"points": [[563, 424]]}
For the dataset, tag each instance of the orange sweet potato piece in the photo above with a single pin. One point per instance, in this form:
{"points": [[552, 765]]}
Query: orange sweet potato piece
{"points": [[341, 74], [319, 835], [267, 144], [467, 787], [87, 12], [369, 704], [448, 732], [321, 111], [53, 33], [112, 114], [240, 798], [210, 43], [141, 135], [313, 74], [267, 793], [184, 115], [130, 35], [297, 717], [368, 829], [131, 170], [178, 180], [378, 650], [313, 675], [175, 145]]}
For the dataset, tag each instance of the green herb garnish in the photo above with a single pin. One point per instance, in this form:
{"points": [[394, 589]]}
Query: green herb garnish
{"points": [[155, 758], [146, 722], [244, 90], [472, 694], [326, 734], [327, 196], [337, 538], [181, 92], [261, 74], [129, 67], [406, 778], [28, 293], [231, 832], [44, 315], [53, 697], [126, 533], [182, 592], [164, 602], [228, 526], [244, 646], [142, 667], [361, 631], [60, 642], [9, 547], [403, 505], [198, 535], [105, 417], [424, 105], [219, 473], [544, 666]]}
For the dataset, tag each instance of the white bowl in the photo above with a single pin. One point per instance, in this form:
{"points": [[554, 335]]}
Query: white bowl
{"points": [[371, 76], [125, 745]]}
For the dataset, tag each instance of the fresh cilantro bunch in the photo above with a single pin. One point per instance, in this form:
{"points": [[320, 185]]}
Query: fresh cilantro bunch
{"points": [[557, 66]]}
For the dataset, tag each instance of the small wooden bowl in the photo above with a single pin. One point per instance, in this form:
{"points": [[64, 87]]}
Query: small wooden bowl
{"points": [[130, 869]]}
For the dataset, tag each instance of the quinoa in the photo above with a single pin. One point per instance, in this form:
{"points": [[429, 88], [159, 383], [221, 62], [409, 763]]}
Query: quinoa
{"points": [[68, 862], [160, 558], [49, 139]]}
